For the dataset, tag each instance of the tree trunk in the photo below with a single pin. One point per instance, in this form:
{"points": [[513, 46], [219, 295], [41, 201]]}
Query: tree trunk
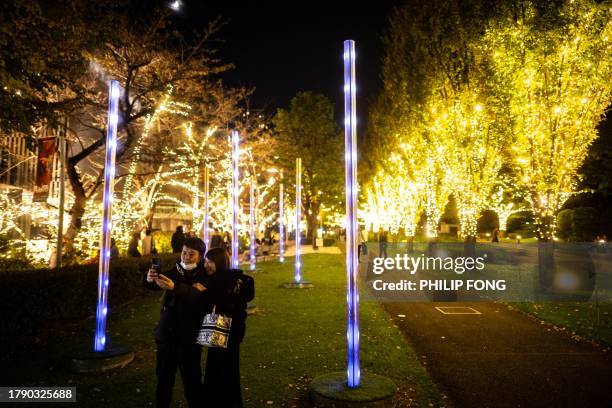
{"points": [[76, 212], [546, 254], [469, 246], [410, 245]]}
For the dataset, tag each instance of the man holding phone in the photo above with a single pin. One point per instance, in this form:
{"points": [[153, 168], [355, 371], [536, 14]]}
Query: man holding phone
{"points": [[181, 316]]}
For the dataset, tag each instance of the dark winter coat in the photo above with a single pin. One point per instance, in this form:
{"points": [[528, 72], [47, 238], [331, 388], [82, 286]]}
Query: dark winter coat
{"points": [[182, 309]]}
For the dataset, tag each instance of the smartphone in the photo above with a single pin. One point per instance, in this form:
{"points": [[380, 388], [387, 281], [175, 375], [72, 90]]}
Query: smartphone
{"points": [[156, 264]]}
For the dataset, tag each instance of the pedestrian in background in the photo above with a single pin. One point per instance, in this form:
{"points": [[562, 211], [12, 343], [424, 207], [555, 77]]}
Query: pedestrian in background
{"points": [[178, 239]]}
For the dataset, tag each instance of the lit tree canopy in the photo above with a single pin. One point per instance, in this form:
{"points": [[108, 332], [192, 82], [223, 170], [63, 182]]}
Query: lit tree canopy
{"points": [[468, 85], [556, 62]]}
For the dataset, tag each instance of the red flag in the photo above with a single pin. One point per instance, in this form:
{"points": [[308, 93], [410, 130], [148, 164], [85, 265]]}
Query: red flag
{"points": [[44, 174]]}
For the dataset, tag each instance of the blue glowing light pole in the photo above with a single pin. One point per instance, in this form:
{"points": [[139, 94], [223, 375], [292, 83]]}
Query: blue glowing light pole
{"points": [[352, 265], [107, 222], [235, 196], [206, 188], [298, 216], [281, 219], [252, 224]]}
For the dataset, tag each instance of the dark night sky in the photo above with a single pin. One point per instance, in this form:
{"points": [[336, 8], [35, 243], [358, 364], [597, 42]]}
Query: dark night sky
{"points": [[283, 48]]}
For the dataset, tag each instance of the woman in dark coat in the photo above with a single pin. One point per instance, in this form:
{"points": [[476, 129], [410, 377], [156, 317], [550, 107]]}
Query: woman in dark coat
{"points": [[229, 290]]}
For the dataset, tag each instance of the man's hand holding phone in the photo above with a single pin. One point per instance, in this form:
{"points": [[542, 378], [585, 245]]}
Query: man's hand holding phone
{"points": [[152, 275], [161, 280]]}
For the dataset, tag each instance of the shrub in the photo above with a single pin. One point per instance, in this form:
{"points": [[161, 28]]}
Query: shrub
{"points": [[584, 224], [521, 224], [34, 301], [564, 224], [162, 240], [329, 241], [580, 224], [488, 221]]}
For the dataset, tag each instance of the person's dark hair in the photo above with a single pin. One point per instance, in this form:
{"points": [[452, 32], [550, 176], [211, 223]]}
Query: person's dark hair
{"points": [[196, 244], [220, 258], [179, 229]]}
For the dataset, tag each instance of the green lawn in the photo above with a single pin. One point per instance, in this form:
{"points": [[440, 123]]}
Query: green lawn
{"points": [[587, 320], [294, 336]]}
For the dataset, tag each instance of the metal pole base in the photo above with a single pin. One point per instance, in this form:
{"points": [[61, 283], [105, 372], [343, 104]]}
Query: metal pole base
{"points": [[91, 361], [331, 390]]}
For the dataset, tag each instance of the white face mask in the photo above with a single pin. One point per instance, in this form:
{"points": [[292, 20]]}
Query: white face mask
{"points": [[188, 267]]}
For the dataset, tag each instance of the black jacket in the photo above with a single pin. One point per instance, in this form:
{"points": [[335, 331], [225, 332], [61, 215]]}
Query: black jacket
{"points": [[229, 293], [182, 308]]}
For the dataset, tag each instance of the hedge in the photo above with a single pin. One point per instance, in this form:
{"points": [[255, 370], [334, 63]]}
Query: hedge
{"points": [[580, 224], [35, 301]]}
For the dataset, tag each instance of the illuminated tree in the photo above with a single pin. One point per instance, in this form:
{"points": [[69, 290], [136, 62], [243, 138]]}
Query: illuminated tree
{"points": [[505, 201], [476, 157], [555, 61], [391, 201], [148, 60], [437, 100]]}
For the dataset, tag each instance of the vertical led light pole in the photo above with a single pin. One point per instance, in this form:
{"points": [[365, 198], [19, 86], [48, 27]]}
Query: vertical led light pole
{"points": [[206, 188], [298, 283], [350, 386], [252, 224], [235, 196], [107, 222], [352, 265], [281, 220], [298, 216], [105, 357]]}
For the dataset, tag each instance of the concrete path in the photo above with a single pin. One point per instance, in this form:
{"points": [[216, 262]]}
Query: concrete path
{"points": [[307, 249], [503, 358]]}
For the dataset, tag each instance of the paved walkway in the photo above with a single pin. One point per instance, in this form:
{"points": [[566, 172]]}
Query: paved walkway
{"points": [[307, 249], [290, 251], [503, 358]]}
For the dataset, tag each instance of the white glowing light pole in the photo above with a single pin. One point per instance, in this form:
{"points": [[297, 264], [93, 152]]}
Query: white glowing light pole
{"points": [[252, 224], [206, 188], [298, 216], [107, 223], [281, 219], [352, 265], [235, 197]]}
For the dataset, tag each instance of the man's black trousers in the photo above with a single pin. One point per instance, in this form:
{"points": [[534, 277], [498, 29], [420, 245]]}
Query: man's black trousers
{"points": [[171, 356]]}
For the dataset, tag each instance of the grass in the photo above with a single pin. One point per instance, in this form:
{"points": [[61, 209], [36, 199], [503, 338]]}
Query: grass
{"points": [[587, 320], [294, 336]]}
